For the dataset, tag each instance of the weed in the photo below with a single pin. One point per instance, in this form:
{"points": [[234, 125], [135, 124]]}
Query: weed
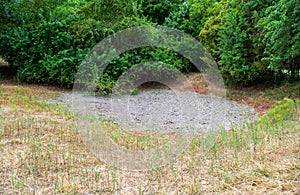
{"points": [[42, 153]]}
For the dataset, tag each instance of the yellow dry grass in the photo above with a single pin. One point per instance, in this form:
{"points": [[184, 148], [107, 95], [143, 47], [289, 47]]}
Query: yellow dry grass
{"points": [[42, 153]]}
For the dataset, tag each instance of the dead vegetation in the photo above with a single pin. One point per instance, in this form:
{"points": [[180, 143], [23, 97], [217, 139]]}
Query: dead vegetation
{"points": [[42, 153]]}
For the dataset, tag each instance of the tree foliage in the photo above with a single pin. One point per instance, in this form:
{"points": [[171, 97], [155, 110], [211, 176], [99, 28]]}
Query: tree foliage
{"points": [[209, 34], [157, 11], [233, 48], [48, 40], [252, 41], [281, 29]]}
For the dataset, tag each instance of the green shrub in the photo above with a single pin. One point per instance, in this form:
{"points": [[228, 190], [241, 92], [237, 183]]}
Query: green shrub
{"points": [[105, 85], [47, 53], [234, 61], [118, 66], [51, 49], [147, 54], [281, 111]]}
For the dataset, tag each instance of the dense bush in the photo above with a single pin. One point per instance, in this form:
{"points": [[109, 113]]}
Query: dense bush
{"points": [[51, 49], [281, 36], [252, 41], [146, 54], [234, 61], [157, 11], [47, 53]]}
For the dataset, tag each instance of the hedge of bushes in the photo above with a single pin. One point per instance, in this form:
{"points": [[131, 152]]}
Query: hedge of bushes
{"points": [[252, 41]]}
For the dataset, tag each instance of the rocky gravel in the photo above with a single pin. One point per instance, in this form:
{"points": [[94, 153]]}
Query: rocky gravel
{"points": [[163, 111]]}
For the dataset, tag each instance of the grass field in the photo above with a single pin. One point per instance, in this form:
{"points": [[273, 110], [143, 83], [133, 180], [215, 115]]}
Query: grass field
{"points": [[42, 153]]}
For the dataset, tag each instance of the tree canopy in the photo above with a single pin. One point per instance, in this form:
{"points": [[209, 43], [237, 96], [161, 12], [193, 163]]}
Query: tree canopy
{"points": [[251, 41]]}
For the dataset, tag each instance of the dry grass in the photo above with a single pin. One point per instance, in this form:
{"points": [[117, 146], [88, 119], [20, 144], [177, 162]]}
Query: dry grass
{"points": [[42, 153]]}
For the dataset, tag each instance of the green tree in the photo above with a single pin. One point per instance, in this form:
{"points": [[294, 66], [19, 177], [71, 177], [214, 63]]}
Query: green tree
{"points": [[234, 48], [209, 34], [281, 36], [157, 11], [181, 19], [199, 13], [253, 11], [48, 39]]}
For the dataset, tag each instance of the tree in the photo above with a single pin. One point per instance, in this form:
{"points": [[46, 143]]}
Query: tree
{"points": [[253, 11], [157, 11], [209, 34], [48, 39], [281, 30], [234, 48]]}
